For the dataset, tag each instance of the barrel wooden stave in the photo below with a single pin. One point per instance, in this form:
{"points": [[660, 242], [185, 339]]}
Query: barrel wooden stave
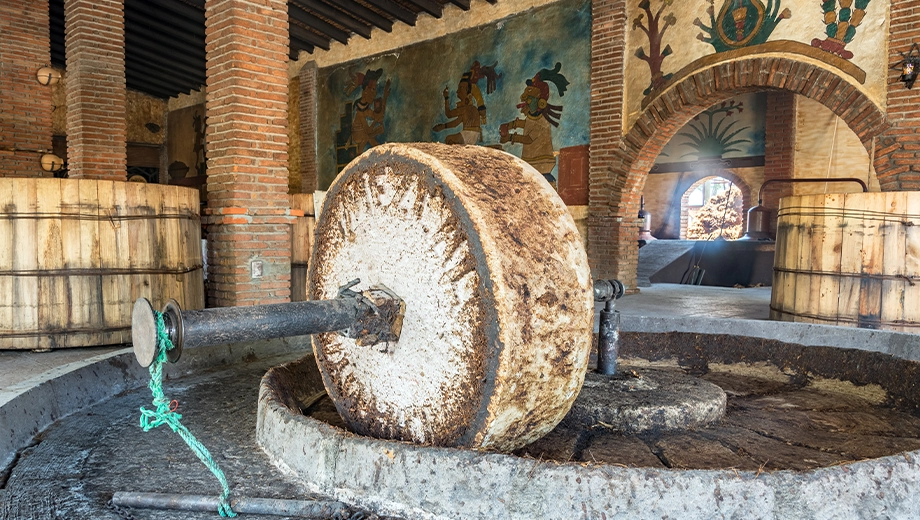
{"points": [[81, 251], [863, 263], [301, 244]]}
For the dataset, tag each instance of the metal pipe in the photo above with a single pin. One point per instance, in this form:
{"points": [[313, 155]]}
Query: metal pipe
{"points": [[608, 340], [608, 327], [258, 506], [808, 179], [374, 316]]}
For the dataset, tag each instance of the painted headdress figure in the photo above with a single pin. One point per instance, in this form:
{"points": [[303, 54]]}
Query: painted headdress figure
{"points": [[540, 117]]}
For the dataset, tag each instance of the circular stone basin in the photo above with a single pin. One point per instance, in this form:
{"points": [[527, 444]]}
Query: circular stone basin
{"points": [[809, 431]]}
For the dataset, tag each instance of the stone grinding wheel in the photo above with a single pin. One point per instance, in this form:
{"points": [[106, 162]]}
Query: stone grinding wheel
{"points": [[499, 305]]}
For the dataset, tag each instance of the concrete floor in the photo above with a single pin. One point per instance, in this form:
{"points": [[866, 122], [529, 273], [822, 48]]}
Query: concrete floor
{"points": [[20, 369]]}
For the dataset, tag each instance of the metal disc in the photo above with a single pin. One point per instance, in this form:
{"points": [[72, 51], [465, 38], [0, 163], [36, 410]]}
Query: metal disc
{"points": [[499, 306], [173, 314], [144, 332]]}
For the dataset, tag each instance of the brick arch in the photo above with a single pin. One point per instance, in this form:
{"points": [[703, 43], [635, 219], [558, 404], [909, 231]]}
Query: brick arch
{"points": [[698, 180], [612, 221]]}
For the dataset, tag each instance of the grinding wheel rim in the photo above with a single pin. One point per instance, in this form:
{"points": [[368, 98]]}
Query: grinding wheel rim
{"points": [[466, 371]]}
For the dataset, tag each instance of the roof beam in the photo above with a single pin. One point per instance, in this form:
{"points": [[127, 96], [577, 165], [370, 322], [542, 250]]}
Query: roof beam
{"points": [[340, 17], [395, 10], [462, 4], [366, 14], [296, 12], [302, 34], [429, 6]]}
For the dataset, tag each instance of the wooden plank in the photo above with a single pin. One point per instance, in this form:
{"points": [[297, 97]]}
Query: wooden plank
{"points": [[76, 286], [803, 257], [912, 261], [25, 258], [873, 259], [777, 292], [850, 259], [173, 240], [7, 205], [893, 238], [829, 248], [90, 251]]}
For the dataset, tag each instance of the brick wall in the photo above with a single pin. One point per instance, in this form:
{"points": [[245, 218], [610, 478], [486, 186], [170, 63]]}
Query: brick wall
{"points": [[779, 146], [25, 105], [94, 37], [609, 256], [248, 216], [308, 128], [897, 152], [620, 178]]}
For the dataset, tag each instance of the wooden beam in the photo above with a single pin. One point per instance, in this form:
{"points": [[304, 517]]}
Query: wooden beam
{"points": [[307, 18], [301, 33], [429, 6], [462, 4], [299, 45], [340, 17], [365, 14], [395, 10]]}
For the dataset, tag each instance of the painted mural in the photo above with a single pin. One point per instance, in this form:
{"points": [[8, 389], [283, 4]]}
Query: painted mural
{"points": [[730, 130], [503, 85], [848, 36]]}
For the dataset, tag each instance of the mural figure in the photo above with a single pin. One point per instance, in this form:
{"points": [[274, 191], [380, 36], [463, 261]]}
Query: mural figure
{"points": [[654, 30], [741, 23], [539, 119], [470, 112], [466, 115], [709, 139], [362, 122], [841, 25]]}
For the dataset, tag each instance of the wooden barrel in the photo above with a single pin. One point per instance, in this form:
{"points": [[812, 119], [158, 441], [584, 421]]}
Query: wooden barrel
{"points": [[849, 259], [301, 240], [76, 253]]}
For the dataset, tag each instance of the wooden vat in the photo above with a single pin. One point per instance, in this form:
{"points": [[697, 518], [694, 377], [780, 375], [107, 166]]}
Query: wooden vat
{"points": [[301, 244], [76, 253], [849, 259]]}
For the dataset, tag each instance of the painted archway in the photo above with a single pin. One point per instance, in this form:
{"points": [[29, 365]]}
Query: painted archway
{"points": [[612, 222]]}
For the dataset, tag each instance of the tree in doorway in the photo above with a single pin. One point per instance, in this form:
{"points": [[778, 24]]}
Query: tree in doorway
{"points": [[721, 216]]}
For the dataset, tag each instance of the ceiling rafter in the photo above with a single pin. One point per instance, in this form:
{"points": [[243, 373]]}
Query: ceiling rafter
{"points": [[165, 39]]}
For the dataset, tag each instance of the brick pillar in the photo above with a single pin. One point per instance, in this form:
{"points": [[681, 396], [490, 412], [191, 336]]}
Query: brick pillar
{"points": [[779, 147], [25, 105], [246, 105], [612, 239], [897, 151], [94, 38], [308, 176]]}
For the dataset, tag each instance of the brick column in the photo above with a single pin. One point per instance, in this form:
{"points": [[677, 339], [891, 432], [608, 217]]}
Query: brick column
{"points": [[779, 146], [612, 235], [25, 105], [94, 37], [897, 151], [246, 106], [308, 176]]}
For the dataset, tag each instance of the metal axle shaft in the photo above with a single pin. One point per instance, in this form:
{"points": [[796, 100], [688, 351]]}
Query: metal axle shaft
{"points": [[371, 317]]}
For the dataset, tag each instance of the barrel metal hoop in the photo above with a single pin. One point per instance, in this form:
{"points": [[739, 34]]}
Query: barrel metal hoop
{"points": [[65, 332], [911, 280], [100, 217], [100, 271], [842, 319]]}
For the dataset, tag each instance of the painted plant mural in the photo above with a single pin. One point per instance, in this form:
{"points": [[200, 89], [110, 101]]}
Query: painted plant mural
{"points": [[708, 134], [741, 23], [841, 17], [654, 28], [535, 130]]}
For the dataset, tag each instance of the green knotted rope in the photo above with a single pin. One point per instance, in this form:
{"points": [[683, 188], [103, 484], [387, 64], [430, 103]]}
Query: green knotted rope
{"points": [[165, 415]]}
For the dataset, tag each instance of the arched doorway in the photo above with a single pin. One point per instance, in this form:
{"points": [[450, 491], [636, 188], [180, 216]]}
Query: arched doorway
{"points": [[711, 208], [613, 226]]}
